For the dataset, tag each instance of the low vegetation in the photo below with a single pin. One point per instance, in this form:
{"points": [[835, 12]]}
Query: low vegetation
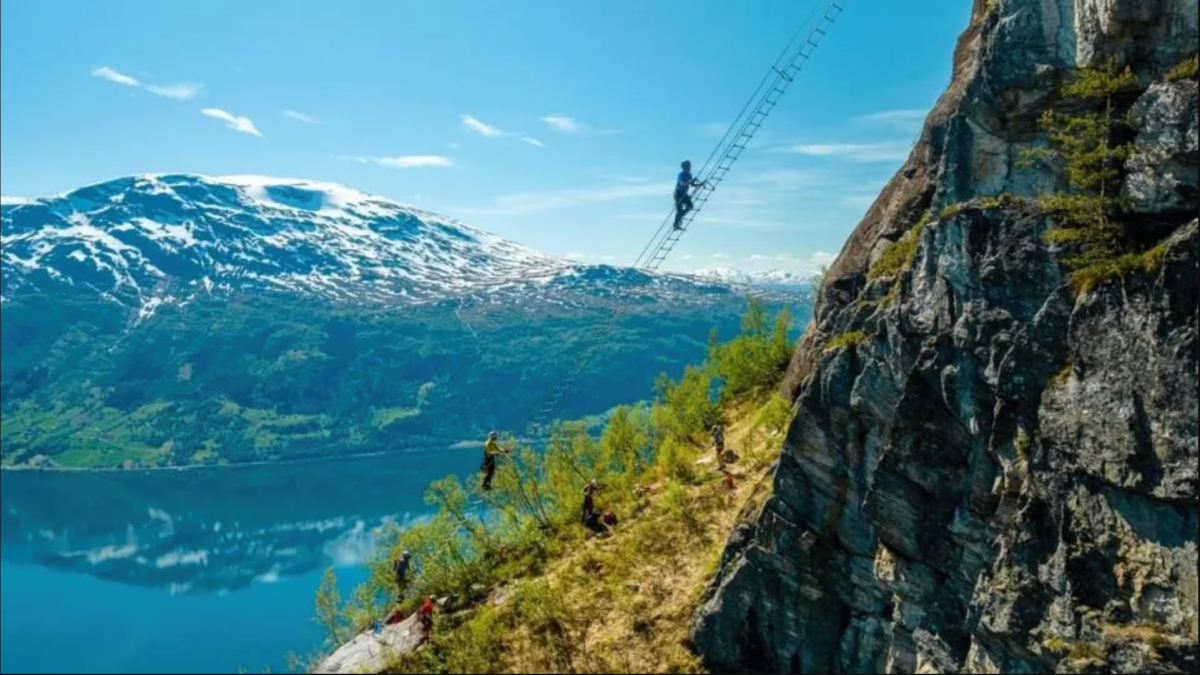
{"points": [[1187, 69], [845, 341], [1091, 142], [527, 589], [900, 255]]}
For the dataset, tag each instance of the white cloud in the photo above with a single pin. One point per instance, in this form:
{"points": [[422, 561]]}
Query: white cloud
{"points": [[822, 258], [481, 128], [894, 116], [181, 92], [408, 161], [242, 124], [184, 91], [300, 117], [106, 73], [563, 123], [533, 141], [566, 125], [855, 152], [10, 200], [529, 203]]}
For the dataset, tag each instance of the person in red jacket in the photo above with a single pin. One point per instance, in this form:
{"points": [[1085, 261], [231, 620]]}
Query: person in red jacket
{"points": [[427, 619]]}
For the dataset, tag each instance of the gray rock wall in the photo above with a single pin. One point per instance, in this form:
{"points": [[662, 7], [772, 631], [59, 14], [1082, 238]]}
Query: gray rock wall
{"points": [[994, 475]]}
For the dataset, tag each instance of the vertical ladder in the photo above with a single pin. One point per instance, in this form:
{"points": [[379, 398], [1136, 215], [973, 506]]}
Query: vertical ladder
{"points": [[737, 138]]}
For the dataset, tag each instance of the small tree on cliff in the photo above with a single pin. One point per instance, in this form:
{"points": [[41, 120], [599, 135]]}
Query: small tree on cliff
{"points": [[1088, 141]]}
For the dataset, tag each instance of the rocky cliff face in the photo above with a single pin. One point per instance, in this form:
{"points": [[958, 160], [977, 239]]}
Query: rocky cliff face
{"points": [[989, 472]]}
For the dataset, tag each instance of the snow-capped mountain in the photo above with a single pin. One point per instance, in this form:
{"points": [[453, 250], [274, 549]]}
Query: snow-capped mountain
{"points": [[148, 239], [771, 279], [124, 237]]}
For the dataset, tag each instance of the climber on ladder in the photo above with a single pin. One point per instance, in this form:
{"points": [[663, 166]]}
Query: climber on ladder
{"points": [[683, 202]]}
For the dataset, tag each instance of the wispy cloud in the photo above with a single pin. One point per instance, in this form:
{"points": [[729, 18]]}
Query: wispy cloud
{"points": [[530, 203], [299, 117], [242, 124], [562, 123], [567, 125], [106, 73], [482, 128], [533, 141], [903, 115], [907, 120], [855, 152], [183, 91], [408, 161]]}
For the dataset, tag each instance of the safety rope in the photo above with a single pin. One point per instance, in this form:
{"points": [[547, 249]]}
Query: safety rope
{"points": [[741, 131]]}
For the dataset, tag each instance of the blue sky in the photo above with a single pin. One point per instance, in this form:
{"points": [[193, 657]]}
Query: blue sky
{"points": [[556, 124]]}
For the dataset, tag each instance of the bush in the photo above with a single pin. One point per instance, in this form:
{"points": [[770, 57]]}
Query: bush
{"points": [[845, 341], [752, 363], [1088, 142], [1187, 69], [685, 410], [900, 255]]}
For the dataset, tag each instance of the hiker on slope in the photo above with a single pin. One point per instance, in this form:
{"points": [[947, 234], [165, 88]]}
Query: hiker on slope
{"points": [[400, 569], [718, 439], [491, 449]]}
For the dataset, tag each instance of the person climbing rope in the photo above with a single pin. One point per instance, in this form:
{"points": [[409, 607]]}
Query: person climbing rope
{"points": [[490, 451], [400, 568], [718, 438], [683, 202]]}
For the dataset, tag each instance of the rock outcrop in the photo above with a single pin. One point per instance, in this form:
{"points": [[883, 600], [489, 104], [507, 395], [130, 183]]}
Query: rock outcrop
{"points": [[988, 471], [371, 652]]}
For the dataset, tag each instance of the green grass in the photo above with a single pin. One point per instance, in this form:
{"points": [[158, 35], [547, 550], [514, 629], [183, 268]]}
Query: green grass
{"points": [[845, 341], [1187, 69], [900, 255], [1088, 278]]}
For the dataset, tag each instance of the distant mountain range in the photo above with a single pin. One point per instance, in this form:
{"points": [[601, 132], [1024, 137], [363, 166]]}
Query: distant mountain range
{"points": [[768, 279], [175, 319]]}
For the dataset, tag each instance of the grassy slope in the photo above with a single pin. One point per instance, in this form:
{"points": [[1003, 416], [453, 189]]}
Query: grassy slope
{"points": [[619, 604]]}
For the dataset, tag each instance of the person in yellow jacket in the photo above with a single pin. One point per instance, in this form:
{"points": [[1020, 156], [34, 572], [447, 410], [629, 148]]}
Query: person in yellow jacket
{"points": [[491, 449]]}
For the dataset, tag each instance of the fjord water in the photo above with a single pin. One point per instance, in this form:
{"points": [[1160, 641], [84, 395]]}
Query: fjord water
{"points": [[199, 570]]}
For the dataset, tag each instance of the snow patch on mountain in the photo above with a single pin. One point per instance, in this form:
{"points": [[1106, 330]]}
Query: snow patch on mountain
{"points": [[765, 279]]}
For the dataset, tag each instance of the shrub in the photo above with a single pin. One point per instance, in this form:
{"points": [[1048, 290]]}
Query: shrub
{"points": [[900, 255], [845, 341], [1087, 141], [1187, 69], [685, 409], [752, 363]]}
